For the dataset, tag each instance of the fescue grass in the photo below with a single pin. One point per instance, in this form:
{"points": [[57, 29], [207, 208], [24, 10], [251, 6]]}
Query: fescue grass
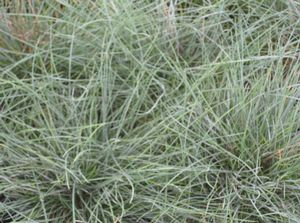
{"points": [[141, 111]]}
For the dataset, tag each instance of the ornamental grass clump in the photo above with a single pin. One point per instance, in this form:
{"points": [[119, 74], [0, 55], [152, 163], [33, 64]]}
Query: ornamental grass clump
{"points": [[149, 111]]}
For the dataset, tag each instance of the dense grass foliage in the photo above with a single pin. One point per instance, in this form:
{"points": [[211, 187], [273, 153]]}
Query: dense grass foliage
{"points": [[128, 111]]}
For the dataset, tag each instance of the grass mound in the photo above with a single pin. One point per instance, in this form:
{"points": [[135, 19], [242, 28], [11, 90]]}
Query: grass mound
{"points": [[148, 111]]}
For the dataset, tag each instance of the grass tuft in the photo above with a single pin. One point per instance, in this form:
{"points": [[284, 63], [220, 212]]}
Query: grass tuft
{"points": [[149, 111]]}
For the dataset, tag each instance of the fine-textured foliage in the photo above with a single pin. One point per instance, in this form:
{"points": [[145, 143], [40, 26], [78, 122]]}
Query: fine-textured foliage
{"points": [[127, 111]]}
